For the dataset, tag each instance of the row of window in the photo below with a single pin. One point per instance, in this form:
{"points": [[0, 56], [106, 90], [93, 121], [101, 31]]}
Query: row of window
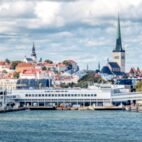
{"points": [[60, 95], [11, 97], [56, 91], [117, 57]]}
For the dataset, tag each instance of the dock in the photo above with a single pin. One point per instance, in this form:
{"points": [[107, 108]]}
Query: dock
{"points": [[12, 110], [109, 108], [64, 108], [41, 108], [91, 108]]}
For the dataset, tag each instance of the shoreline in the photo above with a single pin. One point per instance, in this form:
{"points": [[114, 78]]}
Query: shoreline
{"points": [[64, 108], [131, 108]]}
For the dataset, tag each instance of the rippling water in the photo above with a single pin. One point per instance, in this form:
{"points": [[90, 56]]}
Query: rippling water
{"points": [[71, 126]]}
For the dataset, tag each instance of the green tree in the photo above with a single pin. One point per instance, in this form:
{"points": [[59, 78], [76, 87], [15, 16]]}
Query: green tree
{"points": [[14, 64], [90, 77], [83, 84], [48, 61], [16, 75], [44, 68], [66, 62], [7, 61], [63, 85], [4, 71]]}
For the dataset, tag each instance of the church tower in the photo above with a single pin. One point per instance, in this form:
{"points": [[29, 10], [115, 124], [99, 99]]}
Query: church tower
{"points": [[119, 53], [33, 55]]}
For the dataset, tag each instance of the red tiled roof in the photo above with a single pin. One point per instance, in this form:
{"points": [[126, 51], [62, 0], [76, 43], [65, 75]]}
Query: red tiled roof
{"points": [[31, 71], [49, 65], [132, 70], [2, 63], [61, 65], [24, 65]]}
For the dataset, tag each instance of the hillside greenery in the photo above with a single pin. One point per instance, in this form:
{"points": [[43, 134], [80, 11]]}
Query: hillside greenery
{"points": [[85, 81], [14, 64], [49, 61], [66, 62]]}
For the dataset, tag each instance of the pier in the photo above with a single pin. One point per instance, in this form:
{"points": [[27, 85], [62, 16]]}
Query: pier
{"points": [[11, 110]]}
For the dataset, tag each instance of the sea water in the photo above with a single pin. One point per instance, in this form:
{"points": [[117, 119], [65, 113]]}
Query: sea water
{"points": [[71, 126]]}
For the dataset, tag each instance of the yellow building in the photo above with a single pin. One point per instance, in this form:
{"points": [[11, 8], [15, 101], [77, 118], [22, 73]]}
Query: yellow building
{"points": [[24, 66]]}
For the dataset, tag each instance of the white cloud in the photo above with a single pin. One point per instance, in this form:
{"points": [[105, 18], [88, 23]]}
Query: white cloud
{"points": [[15, 9], [68, 29], [91, 10], [47, 12]]}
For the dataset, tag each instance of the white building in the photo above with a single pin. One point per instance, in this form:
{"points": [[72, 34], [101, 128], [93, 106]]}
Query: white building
{"points": [[34, 74], [5, 67], [33, 57], [8, 84], [61, 67]]}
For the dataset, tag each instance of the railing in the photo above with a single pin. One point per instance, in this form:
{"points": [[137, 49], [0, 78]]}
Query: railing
{"points": [[127, 96]]}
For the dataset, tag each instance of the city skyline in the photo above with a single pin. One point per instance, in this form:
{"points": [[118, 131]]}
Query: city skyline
{"points": [[84, 31]]}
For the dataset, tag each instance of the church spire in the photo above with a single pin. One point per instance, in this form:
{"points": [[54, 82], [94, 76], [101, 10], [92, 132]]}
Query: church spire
{"points": [[118, 47], [33, 52], [99, 66], [33, 49], [119, 53]]}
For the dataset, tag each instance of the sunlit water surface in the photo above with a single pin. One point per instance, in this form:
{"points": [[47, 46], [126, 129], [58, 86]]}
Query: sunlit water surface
{"points": [[71, 126]]}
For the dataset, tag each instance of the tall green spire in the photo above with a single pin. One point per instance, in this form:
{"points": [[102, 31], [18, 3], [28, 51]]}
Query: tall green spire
{"points": [[118, 47], [33, 51]]}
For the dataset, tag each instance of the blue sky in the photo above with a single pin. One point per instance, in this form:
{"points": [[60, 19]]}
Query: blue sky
{"points": [[82, 30]]}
